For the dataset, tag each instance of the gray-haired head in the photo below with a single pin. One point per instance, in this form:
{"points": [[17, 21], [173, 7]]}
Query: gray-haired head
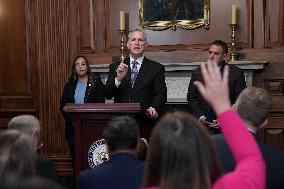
{"points": [[27, 124], [138, 29], [254, 105]]}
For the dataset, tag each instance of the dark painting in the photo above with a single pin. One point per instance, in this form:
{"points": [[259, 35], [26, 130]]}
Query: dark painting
{"points": [[171, 10]]}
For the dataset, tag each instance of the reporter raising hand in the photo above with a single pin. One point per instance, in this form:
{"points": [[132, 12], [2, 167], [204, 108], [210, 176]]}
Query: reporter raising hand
{"points": [[250, 169]]}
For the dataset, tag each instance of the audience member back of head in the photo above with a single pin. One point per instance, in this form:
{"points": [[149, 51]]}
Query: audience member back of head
{"points": [[30, 126], [123, 170], [254, 105]]}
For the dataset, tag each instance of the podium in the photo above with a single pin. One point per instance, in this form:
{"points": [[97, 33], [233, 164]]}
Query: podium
{"points": [[90, 120]]}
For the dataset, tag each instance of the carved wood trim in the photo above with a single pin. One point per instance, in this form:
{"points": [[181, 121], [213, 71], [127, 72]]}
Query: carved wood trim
{"points": [[275, 87], [16, 102], [63, 165], [103, 107]]}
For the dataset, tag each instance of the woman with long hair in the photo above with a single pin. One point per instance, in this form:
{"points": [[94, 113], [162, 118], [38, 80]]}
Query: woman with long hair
{"points": [[83, 87]]}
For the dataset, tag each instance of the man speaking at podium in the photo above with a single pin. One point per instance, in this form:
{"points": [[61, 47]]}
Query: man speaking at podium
{"points": [[138, 79]]}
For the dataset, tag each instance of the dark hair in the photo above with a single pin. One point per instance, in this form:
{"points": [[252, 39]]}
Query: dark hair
{"points": [[221, 44], [121, 133], [141, 149], [74, 77], [254, 105], [29, 183], [181, 154], [16, 155]]}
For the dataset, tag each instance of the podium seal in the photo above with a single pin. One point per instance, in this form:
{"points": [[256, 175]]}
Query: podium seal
{"points": [[98, 153]]}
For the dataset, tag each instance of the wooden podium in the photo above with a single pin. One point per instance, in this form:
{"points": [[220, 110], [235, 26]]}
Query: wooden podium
{"points": [[90, 120]]}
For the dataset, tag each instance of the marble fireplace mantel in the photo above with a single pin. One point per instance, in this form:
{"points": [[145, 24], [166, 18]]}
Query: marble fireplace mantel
{"points": [[178, 75]]}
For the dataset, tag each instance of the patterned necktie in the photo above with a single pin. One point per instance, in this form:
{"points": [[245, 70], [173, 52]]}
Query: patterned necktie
{"points": [[134, 72]]}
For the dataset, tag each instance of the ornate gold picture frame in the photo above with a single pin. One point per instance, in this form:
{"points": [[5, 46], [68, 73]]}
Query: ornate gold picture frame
{"points": [[164, 14]]}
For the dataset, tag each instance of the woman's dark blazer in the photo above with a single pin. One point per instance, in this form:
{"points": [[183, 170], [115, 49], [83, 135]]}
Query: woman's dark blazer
{"points": [[94, 94]]}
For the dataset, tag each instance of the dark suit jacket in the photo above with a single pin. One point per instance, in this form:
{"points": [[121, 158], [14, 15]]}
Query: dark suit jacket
{"points": [[198, 106], [122, 171], [274, 161], [149, 88], [93, 94], [45, 168]]}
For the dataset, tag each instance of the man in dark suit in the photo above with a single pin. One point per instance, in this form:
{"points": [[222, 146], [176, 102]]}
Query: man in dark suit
{"points": [[138, 79], [30, 125], [254, 105], [123, 170], [218, 53]]}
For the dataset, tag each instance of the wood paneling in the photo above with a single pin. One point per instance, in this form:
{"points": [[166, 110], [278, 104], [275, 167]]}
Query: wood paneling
{"points": [[86, 26], [274, 131], [14, 77], [49, 44], [274, 87], [16, 96], [91, 25], [274, 23]]}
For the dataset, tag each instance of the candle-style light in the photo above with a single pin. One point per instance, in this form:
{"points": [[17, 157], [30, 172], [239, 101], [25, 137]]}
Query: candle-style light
{"points": [[233, 26], [234, 14], [122, 35], [122, 20]]}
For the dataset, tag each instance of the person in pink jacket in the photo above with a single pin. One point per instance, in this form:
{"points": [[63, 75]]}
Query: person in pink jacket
{"points": [[181, 154]]}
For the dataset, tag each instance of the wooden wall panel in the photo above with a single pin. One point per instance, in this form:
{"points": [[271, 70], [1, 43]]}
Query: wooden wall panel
{"points": [[91, 26], [274, 87], [86, 26], [100, 22], [274, 131], [49, 43], [16, 96], [272, 80], [274, 23], [14, 78]]}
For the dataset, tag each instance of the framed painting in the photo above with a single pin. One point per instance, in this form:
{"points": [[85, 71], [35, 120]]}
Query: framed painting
{"points": [[165, 14]]}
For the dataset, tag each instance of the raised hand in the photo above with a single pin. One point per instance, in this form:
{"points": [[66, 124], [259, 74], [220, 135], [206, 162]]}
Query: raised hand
{"points": [[215, 89], [121, 70], [152, 113]]}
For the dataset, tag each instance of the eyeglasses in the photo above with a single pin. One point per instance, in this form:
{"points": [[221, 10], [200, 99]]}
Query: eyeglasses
{"points": [[39, 145]]}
